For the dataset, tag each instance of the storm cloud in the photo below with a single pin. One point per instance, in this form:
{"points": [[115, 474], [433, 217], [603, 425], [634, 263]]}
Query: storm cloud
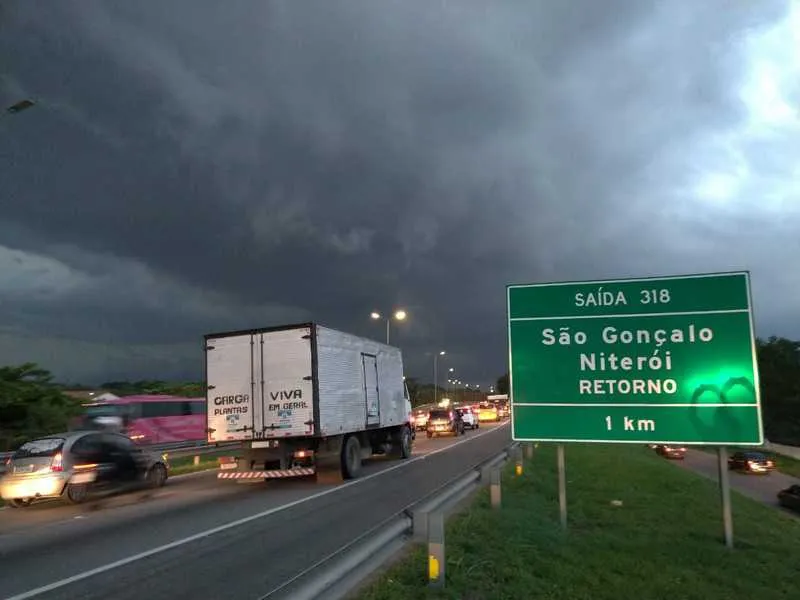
{"points": [[195, 166]]}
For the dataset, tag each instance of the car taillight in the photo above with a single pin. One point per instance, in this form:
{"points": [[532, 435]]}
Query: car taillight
{"points": [[56, 465]]}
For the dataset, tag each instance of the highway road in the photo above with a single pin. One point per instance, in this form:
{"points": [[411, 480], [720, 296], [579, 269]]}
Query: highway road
{"points": [[202, 538], [763, 488]]}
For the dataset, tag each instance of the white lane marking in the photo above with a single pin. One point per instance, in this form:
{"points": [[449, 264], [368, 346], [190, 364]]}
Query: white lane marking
{"points": [[214, 530]]}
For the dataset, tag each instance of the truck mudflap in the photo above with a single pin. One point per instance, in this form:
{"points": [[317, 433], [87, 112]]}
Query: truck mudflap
{"points": [[271, 474]]}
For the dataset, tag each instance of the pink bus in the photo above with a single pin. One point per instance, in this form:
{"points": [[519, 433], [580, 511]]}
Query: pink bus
{"points": [[149, 419]]}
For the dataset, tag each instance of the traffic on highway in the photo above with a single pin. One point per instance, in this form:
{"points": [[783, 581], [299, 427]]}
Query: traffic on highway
{"points": [[153, 542], [325, 448]]}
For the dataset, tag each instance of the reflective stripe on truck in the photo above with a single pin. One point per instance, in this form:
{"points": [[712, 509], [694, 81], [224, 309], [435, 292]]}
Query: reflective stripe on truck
{"points": [[271, 474]]}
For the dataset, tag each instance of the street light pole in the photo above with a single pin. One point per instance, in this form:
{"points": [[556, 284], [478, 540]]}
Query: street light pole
{"points": [[451, 380], [399, 315], [436, 374]]}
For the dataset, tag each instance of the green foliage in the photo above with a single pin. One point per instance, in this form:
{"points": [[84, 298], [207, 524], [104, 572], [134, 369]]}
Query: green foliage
{"points": [[639, 528], [190, 389], [779, 370], [31, 405], [502, 386]]}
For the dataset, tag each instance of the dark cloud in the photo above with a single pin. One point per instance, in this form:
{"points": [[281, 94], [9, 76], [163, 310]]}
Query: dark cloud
{"points": [[196, 166]]}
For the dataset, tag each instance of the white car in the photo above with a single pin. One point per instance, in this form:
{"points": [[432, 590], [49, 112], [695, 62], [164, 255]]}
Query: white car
{"points": [[469, 417]]}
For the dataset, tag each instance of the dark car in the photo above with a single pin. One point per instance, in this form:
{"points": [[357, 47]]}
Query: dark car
{"points": [[79, 466], [790, 498], [443, 421], [676, 452], [751, 462]]}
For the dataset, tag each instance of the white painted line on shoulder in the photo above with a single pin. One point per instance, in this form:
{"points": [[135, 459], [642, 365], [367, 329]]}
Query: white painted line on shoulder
{"points": [[214, 530]]}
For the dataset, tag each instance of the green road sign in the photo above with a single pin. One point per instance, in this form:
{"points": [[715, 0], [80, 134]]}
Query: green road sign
{"points": [[657, 360]]}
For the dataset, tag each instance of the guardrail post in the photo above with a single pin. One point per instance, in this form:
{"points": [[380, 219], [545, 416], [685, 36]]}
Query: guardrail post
{"points": [[196, 460], [419, 525], [518, 468], [436, 557], [494, 488]]}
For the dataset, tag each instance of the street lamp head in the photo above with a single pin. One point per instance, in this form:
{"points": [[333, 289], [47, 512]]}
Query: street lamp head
{"points": [[442, 353], [375, 315], [400, 315]]}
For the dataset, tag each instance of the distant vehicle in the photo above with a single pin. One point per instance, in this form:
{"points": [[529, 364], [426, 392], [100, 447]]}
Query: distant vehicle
{"points": [[488, 413], [148, 419], [304, 400], [790, 498], [469, 416], [501, 402], [79, 466], [676, 452], [420, 420], [444, 421], [751, 462]]}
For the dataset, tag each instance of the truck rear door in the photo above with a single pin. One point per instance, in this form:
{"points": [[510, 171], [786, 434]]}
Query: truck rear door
{"points": [[287, 401], [231, 388]]}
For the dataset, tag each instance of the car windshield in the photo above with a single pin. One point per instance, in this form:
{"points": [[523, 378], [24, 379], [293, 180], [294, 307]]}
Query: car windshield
{"points": [[43, 448], [440, 414], [755, 456]]}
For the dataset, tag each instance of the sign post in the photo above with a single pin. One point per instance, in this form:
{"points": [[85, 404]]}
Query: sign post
{"points": [[661, 360]]}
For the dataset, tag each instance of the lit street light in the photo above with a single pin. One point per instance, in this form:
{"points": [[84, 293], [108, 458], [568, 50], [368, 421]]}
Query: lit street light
{"points": [[436, 374], [399, 315]]}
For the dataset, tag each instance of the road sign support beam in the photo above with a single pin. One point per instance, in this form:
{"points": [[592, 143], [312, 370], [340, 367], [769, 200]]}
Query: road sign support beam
{"points": [[725, 495], [562, 486]]}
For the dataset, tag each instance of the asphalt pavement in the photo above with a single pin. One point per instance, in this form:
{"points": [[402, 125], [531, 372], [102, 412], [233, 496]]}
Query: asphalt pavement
{"points": [[202, 538], [763, 488]]}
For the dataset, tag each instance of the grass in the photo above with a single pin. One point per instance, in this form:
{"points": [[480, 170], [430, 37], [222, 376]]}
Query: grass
{"points": [[785, 464], [181, 465], [664, 541]]}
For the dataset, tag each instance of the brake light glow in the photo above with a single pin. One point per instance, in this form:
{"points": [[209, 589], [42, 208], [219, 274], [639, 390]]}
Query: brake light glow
{"points": [[56, 466]]}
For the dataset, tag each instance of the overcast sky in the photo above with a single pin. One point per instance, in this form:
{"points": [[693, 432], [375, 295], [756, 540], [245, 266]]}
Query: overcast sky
{"points": [[196, 166]]}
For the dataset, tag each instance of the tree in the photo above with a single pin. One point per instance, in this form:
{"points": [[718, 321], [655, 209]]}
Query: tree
{"points": [[502, 386], [31, 404], [189, 389], [779, 374]]}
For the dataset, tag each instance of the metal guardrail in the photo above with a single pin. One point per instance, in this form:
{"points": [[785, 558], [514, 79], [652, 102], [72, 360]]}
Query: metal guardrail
{"points": [[335, 576]]}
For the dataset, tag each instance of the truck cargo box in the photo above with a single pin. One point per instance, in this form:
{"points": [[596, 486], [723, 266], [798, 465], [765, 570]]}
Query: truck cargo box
{"points": [[300, 381]]}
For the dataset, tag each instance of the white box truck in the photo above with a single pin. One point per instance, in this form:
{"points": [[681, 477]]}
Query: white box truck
{"points": [[304, 400]]}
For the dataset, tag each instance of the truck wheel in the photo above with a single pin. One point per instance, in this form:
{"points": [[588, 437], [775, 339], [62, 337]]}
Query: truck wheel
{"points": [[351, 458], [405, 443]]}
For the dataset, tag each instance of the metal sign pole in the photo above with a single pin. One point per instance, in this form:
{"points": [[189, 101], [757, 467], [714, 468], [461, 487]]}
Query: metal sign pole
{"points": [[562, 486], [725, 494]]}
